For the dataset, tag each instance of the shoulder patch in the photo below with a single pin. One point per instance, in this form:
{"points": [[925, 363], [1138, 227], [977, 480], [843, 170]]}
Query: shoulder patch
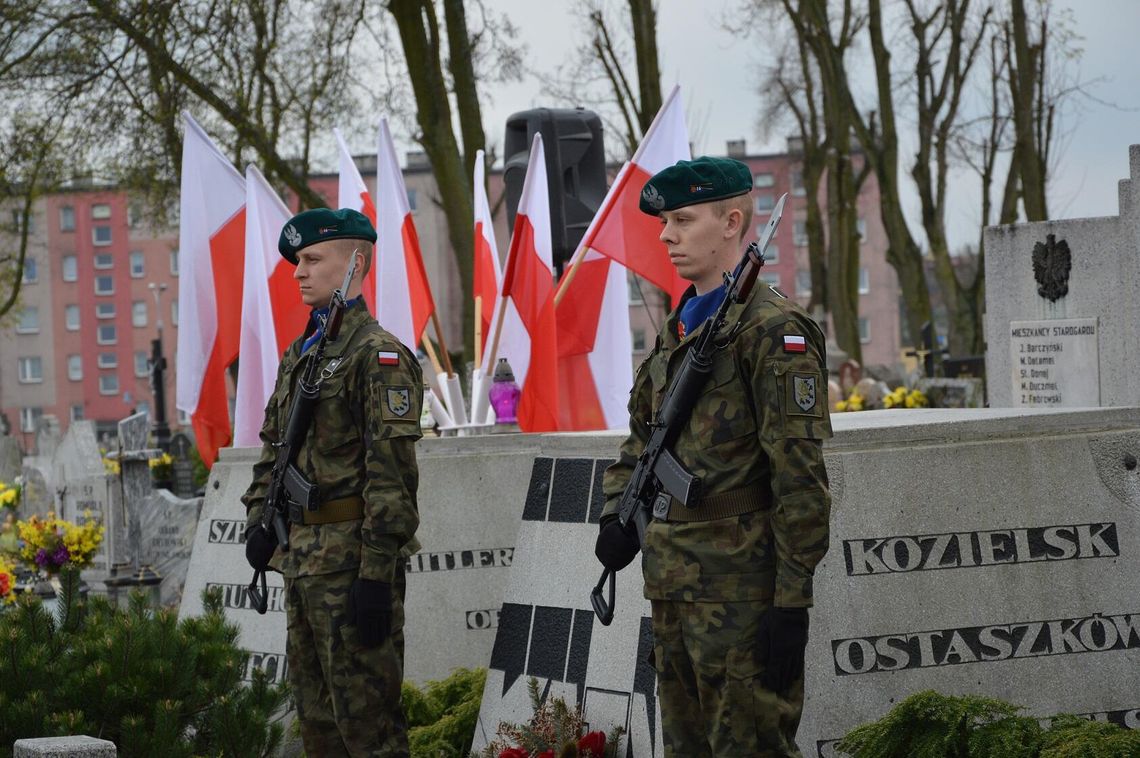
{"points": [[794, 343], [397, 403], [388, 358]]}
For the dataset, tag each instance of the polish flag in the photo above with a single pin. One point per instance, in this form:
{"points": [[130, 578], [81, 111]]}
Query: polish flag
{"points": [[352, 192], [211, 244], [595, 372], [514, 344], [403, 296], [272, 313], [620, 230], [529, 282]]}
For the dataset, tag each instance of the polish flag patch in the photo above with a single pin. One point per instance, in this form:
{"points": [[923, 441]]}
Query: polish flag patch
{"points": [[388, 358], [794, 344]]}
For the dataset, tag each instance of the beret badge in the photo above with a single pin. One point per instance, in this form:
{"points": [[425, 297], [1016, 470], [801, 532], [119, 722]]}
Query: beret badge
{"points": [[652, 197], [292, 236]]}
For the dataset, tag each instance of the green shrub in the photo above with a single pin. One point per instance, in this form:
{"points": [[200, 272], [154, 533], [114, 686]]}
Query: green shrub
{"points": [[442, 716], [930, 725], [136, 677]]}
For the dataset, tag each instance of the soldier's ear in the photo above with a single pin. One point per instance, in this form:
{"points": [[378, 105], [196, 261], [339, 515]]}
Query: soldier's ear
{"points": [[732, 223]]}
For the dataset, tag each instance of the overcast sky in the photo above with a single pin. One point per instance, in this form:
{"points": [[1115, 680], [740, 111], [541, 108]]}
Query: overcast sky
{"points": [[717, 73]]}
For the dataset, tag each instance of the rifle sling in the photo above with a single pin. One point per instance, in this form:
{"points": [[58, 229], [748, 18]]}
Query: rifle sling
{"points": [[335, 511], [723, 505]]}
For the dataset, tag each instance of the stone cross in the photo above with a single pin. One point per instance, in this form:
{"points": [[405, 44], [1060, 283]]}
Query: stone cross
{"points": [[134, 473], [183, 467]]}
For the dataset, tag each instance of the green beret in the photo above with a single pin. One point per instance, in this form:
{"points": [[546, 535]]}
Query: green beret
{"points": [[322, 224], [701, 180]]}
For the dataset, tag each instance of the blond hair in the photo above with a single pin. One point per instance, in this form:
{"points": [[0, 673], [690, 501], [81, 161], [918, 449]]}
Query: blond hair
{"points": [[742, 203]]}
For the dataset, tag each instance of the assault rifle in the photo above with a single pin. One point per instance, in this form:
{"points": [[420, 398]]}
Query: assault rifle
{"points": [[288, 487], [658, 476]]}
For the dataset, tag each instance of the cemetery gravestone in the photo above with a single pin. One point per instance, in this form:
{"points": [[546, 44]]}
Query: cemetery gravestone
{"points": [[183, 466], [167, 524]]}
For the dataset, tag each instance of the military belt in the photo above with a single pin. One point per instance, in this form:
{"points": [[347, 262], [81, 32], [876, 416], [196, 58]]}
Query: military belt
{"points": [[332, 512], [722, 505]]}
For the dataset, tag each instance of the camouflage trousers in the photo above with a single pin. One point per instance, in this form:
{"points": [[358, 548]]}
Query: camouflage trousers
{"points": [[708, 682], [348, 696]]}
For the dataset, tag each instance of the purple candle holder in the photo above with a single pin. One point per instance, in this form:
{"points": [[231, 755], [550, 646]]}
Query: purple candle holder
{"points": [[504, 394]]}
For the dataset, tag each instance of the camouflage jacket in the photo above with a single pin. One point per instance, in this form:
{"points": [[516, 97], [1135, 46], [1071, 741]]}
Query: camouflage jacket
{"points": [[757, 427], [361, 442]]}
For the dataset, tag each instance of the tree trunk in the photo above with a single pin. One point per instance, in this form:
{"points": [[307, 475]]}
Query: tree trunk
{"points": [[1024, 84], [643, 20], [419, 35]]}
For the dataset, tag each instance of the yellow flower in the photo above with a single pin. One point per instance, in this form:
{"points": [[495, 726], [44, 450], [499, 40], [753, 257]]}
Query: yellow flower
{"points": [[841, 405], [855, 402]]}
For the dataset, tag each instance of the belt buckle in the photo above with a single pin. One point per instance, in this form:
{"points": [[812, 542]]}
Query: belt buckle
{"points": [[661, 506], [296, 513]]}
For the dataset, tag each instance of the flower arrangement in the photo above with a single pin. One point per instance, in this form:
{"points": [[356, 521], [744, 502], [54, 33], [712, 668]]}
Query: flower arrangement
{"points": [[110, 465], [7, 583], [51, 544], [161, 468], [901, 398], [554, 731], [854, 402], [10, 493]]}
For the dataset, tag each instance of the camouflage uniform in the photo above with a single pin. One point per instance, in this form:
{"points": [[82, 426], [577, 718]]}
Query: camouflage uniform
{"points": [[755, 440], [361, 445]]}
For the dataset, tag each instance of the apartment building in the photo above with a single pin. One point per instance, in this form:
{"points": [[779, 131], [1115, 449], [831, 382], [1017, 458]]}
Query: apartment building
{"points": [[99, 281]]}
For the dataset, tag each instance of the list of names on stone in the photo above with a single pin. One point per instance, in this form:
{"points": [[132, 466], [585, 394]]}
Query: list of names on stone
{"points": [[1056, 363]]}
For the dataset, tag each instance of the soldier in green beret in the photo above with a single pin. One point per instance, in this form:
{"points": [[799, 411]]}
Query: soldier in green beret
{"points": [[730, 580], [344, 570]]}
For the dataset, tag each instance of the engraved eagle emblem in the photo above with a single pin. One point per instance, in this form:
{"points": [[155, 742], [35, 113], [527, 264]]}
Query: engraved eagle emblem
{"points": [[652, 197], [292, 236], [804, 389], [399, 401], [1052, 261]]}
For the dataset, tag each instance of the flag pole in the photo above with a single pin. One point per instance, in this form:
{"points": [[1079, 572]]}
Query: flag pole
{"points": [[478, 326], [426, 341], [493, 353], [442, 344]]}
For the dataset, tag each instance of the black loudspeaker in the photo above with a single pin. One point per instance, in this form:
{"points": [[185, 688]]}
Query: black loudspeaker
{"points": [[575, 170]]}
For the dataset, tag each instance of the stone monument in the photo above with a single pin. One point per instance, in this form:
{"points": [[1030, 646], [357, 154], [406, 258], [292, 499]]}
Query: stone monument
{"points": [[1062, 310]]}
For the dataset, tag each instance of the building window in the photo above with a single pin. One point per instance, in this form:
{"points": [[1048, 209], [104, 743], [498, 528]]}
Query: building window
{"points": [[760, 181], [138, 266], [864, 281], [31, 369], [772, 254], [31, 274], [108, 384], [108, 360], [861, 228], [803, 283], [772, 280], [864, 330], [104, 260], [104, 285], [142, 363], [635, 297], [183, 417], [138, 313], [71, 317], [174, 263], [101, 235], [799, 233], [70, 268], [29, 417], [75, 367], [101, 211], [104, 310], [765, 202], [29, 321], [798, 182], [77, 413], [66, 218], [134, 215], [20, 220], [639, 340], [107, 334], [174, 312], [142, 406], [412, 200]]}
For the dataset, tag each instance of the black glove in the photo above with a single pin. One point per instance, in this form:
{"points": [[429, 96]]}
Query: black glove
{"points": [[782, 640], [370, 609], [259, 547], [616, 547]]}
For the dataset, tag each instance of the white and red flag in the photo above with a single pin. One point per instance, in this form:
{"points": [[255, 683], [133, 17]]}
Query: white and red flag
{"points": [[211, 244], [272, 313], [353, 193], [595, 373], [620, 230], [529, 282], [403, 296]]}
